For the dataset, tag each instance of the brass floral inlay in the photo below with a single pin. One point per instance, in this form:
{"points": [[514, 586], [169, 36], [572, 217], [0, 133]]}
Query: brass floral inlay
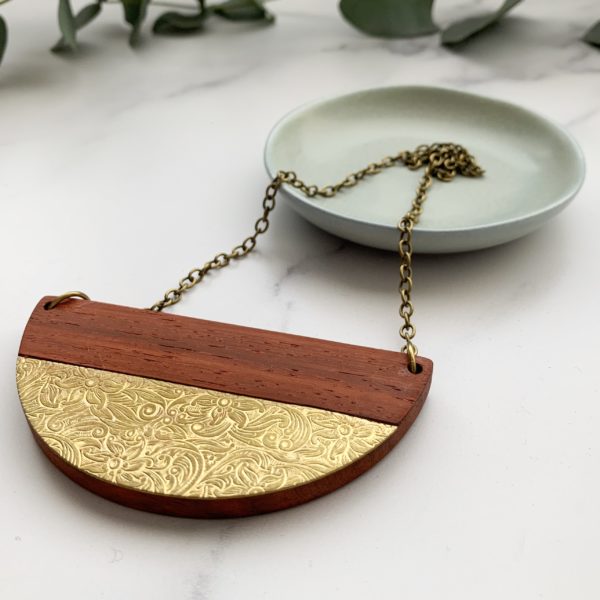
{"points": [[185, 441]]}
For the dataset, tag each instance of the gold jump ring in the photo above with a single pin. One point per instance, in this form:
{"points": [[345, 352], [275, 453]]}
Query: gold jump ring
{"points": [[54, 303]]}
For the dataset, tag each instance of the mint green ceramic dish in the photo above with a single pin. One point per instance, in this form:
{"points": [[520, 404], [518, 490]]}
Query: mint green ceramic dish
{"points": [[533, 167]]}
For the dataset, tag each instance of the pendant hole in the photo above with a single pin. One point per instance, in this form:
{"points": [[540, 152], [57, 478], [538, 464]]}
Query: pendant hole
{"points": [[419, 369]]}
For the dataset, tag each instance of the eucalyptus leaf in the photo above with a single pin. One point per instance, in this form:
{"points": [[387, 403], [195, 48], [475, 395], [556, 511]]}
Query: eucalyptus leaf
{"points": [[82, 18], [135, 13], [390, 18], [66, 22], [242, 10], [593, 35], [3, 37], [463, 30], [174, 22]]}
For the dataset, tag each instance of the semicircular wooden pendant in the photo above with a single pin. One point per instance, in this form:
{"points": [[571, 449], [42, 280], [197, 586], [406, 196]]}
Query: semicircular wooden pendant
{"points": [[194, 418]]}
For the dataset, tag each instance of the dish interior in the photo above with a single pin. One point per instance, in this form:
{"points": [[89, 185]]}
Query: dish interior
{"points": [[530, 164]]}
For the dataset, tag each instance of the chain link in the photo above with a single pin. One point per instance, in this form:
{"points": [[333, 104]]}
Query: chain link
{"points": [[443, 161]]}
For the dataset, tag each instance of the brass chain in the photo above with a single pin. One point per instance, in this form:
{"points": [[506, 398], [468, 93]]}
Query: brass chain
{"points": [[442, 161]]}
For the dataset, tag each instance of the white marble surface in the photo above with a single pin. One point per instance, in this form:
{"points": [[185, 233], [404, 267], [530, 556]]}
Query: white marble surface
{"points": [[121, 169]]}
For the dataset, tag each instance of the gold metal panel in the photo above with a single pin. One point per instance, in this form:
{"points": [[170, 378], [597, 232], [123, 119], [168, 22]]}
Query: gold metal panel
{"points": [[184, 441]]}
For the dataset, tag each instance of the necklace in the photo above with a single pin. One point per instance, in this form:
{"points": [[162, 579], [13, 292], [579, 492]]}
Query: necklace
{"points": [[195, 418]]}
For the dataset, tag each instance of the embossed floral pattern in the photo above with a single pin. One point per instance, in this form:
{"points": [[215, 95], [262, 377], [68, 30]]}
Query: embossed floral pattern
{"points": [[170, 439]]}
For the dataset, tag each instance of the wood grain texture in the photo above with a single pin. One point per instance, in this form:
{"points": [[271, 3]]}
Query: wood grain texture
{"points": [[354, 380]]}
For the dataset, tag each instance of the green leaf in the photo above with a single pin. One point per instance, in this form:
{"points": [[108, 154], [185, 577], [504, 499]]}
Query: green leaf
{"points": [[174, 22], [3, 37], [463, 30], [135, 13], [390, 18], [593, 35], [242, 10], [82, 18], [66, 22]]}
